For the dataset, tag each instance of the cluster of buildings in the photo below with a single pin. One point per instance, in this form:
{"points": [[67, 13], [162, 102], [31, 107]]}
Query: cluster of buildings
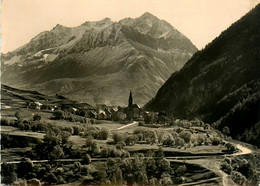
{"points": [[100, 112], [131, 112]]}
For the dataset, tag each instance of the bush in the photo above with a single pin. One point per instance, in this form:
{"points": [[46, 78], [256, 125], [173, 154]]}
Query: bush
{"points": [[181, 170], [200, 139], [230, 147], [103, 134], [130, 140], [179, 142], [104, 152], [186, 136], [58, 114], [226, 167], [36, 117], [51, 178], [120, 145], [18, 115], [86, 159], [226, 131], [4, 121], [216, 141], [238, 178], [24, 167], [117, 137], [8, 174]]}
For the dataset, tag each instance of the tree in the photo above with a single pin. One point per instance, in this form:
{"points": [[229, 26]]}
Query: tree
{"points": [[54, 142], [186, 136], [104, 152], [18, 115], [90, 144], [58, 114], [86, 159], [117, 137], [216, 141], [226, 131], [238, 178], [160, 153], [230, 147], [181, 170], [103, 134], [130, 140], [24, 167], [179, 142], [8, 173]]}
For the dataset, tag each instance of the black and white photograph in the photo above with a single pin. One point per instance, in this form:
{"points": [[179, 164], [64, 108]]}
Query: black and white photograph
{"points": [[130, 92]]}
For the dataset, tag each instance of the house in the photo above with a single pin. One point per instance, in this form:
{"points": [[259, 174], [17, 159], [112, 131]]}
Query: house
{"points": [[101, 115], [108, 113], [35, 105], [121, 116], [92, 114], [114, 116]]}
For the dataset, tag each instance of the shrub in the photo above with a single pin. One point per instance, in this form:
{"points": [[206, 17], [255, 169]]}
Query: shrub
{"points": [[36, 117], [168, 140], [216, 141], [4, 121], [166, 181], [181, 170], [226, 167], [117, 137], [103, 134], [104, 152], [24, 167], [226, 131], [60, 180], [97, 151], [86, 159], [51, 178], [238, 178], [179, 142], [8, 175], [186, 136], [230, 147], [18, 115], [130, 140], [58, 114], [120, 145], [206, 126], [200, 139], [77, 130]]}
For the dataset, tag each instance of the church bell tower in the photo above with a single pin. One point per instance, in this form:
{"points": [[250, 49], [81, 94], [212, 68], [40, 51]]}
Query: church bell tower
{"points": [[130, 100]]}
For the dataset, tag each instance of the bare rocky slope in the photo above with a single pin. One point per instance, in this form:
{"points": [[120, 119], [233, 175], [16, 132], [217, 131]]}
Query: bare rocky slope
{"points": [[99, 62], [220, 84]]}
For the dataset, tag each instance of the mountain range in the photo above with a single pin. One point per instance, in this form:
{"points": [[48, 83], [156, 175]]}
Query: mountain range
{"points": [[221, 83], [99, 62]]}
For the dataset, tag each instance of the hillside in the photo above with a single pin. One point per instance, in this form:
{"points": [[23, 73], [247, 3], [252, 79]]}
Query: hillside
{"points": [[13, 99], [219, 84], [99, 62]]}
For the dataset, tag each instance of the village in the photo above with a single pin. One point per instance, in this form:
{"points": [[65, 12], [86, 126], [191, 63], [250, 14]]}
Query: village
{"points": [[133, 112]]}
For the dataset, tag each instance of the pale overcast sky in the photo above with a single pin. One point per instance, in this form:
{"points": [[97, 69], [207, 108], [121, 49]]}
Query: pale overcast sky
{"points": [[200, 20]]}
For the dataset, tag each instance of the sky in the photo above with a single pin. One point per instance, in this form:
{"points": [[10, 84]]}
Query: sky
{"points": [[200, 20]]}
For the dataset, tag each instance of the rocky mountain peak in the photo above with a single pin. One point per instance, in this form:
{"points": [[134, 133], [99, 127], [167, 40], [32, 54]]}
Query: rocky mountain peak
{"points": [[148, 15], [98, 57]]}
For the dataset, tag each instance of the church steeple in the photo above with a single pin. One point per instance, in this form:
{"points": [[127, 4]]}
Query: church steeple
{"points": [[130, 100]]}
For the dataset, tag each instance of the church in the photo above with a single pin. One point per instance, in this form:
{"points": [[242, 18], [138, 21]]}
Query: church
{"points": [[133, 111]]}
